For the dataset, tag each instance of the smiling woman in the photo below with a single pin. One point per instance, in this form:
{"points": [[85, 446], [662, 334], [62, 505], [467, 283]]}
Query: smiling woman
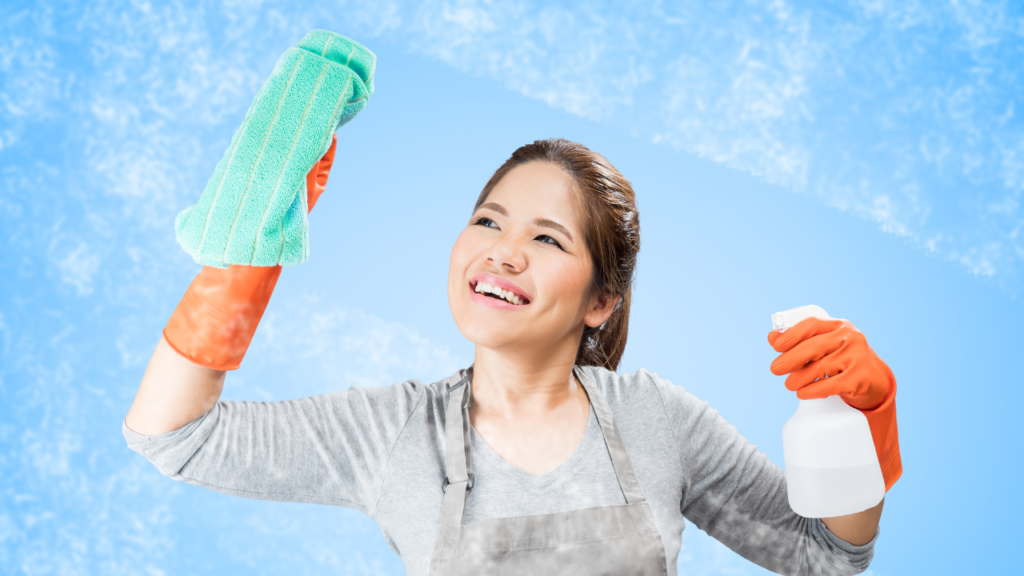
{"points": [[603, 204], [538, 458]]}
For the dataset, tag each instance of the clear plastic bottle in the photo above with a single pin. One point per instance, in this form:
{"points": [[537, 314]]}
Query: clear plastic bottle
{"points": [[831, 465]]}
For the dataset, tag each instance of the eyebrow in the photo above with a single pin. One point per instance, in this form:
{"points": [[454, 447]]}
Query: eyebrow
{"points": [[538, 221], [552, 224], [496, 207]]}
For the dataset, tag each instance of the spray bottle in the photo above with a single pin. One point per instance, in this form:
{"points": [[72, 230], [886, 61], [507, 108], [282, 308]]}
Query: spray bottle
{"points": [[831, 465]]}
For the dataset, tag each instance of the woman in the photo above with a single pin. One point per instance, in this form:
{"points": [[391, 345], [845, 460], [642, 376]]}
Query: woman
{"points": [[539, 458]]}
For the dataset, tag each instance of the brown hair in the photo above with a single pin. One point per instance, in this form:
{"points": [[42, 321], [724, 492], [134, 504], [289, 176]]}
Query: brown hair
{"points": [[611, 230]]}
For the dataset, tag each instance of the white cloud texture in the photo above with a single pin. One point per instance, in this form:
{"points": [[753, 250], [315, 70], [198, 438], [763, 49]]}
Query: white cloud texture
{"points": [[308, 346], [903, 113]]}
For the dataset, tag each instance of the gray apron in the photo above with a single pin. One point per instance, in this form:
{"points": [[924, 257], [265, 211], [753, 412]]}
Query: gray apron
{"points": [[621, 540]]}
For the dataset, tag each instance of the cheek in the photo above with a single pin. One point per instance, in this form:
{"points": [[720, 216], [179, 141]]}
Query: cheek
{"points": [[567, 282], [460, 255], [458, 262]]}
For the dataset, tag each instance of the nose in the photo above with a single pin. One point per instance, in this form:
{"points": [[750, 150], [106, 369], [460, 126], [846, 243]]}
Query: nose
{"points": [[507, 253]]}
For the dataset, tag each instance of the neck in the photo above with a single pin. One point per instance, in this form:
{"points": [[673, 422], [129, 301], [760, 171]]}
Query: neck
{"points": [[510, 384]]}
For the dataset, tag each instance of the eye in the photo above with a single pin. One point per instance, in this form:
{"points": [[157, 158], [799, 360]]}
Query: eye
{"points": [[549, 240], [484, 221]]}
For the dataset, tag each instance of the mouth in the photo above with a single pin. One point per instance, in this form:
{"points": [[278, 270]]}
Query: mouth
{"points": [[493, 290]]}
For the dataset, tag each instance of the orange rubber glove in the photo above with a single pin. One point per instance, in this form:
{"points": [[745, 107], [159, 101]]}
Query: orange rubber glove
{"points": [[832, 358], [217, 317]]}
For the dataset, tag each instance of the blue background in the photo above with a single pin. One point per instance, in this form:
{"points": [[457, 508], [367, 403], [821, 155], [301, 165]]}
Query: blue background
{"points": [[866, 157]]}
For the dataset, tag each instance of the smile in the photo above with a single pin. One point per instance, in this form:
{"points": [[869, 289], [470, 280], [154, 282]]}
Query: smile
{"points": [[495, 292]]}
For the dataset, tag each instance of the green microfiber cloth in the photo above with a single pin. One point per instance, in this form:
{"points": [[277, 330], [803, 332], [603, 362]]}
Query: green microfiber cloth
{"points": [[253, 210]]}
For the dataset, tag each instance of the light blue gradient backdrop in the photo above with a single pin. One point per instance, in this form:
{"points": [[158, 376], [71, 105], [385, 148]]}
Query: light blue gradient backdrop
{"points": [[866, 158]]}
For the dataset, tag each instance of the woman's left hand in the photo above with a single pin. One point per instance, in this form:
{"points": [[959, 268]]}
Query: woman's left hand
{"points": [[831, 358]]}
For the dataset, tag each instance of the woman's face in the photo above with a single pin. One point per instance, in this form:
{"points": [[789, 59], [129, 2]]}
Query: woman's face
{"points": [[526, 243]]}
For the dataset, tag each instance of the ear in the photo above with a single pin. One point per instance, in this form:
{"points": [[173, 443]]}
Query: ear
{"points": [[600, 309]]}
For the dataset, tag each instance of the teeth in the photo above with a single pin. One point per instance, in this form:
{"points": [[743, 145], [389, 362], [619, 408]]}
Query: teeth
{"points": [[508, 295]]}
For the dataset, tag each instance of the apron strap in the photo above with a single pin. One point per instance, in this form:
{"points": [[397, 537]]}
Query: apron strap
{"points": [[456, 449], [620, 460], [457, 446]]}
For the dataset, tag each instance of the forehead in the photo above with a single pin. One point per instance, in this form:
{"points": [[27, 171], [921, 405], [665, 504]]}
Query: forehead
{"points": [[538, 190]]}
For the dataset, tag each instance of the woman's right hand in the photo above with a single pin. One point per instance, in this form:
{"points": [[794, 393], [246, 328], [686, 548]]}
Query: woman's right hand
{"points": [[209, 333]]}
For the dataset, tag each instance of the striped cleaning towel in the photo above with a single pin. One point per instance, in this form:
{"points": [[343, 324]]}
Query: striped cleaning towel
{"points": [[253, 210]]}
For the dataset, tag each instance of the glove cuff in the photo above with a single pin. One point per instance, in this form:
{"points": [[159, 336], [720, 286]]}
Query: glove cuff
{"points": [[218, 315], [882, 421]]}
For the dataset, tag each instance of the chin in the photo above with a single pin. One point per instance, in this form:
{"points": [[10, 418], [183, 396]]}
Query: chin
{"points": [[487, 330]]}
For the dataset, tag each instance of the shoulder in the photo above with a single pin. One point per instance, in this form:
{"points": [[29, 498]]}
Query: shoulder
{"points": [[631, 386], [390, 404], [635, 394], [430, 398], [412, 394], [645, 389], [406, 392]]}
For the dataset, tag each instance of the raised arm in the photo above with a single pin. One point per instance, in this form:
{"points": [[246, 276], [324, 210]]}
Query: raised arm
{"points": [[174, 391], [329, 449], [208, 334], [252, 212]]}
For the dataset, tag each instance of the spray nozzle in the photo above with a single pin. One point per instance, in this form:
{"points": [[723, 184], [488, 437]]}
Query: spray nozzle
{"points": [[786, 319]]}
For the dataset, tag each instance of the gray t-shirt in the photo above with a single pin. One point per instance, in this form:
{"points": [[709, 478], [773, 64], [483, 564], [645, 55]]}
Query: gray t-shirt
{"points": [[381, 451]]}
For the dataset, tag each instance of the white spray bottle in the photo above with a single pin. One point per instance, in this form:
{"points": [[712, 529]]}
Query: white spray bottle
{"points": [[831, 465]]}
